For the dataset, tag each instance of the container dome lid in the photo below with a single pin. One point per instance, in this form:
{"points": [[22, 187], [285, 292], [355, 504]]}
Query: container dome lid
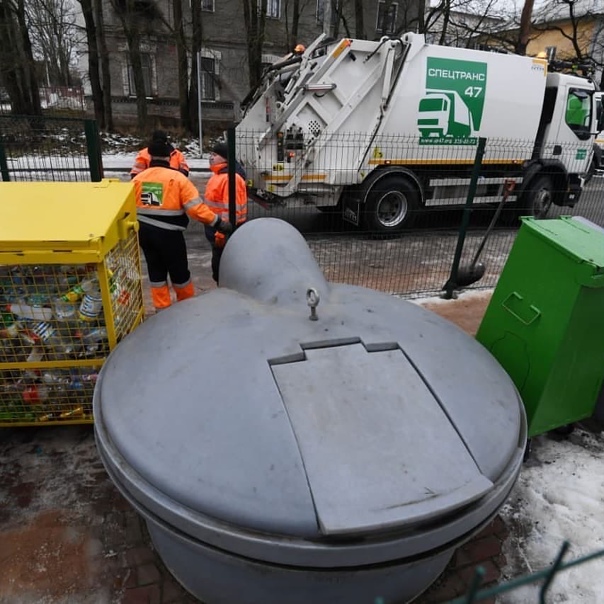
{"points": [[379, 416]]}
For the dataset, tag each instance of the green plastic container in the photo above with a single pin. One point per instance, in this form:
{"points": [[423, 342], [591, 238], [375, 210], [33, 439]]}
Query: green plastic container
{"points": [[545, 321]]}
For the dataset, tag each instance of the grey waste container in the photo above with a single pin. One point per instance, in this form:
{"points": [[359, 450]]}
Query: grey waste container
{"points": [[282, 454]]}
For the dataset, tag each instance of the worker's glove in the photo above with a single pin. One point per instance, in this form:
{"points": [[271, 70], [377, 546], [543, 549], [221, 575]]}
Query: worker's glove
{"points": [[224, 227]]}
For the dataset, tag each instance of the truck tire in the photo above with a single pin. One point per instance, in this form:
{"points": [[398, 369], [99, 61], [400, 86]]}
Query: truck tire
{"points": [[391, 205], [538, 197]]}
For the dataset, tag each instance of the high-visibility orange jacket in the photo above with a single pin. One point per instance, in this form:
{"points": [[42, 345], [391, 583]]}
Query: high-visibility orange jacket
{"points": [[217, 194], [143, 160], [165, 197]]}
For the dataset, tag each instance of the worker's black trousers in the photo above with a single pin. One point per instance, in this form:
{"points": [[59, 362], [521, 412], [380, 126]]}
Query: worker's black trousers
{"points": [[165, 253]]}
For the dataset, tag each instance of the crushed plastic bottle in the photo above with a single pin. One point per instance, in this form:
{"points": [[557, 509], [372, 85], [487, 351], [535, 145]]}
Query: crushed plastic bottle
{"points": [[28, 311]]}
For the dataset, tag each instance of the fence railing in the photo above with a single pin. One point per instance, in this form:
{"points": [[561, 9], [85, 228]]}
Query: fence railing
{"points": [[386, 211], [543, 578], [34, 148], [409, 259]]}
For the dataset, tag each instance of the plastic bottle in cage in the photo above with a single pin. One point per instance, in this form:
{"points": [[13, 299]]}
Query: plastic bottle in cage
{"points": [[35, 394], [64, 310], [57, 345], [91, 307], [74, 294], [9, 326], [36, 355], [28, 311], [55, 376], [95, 340]]}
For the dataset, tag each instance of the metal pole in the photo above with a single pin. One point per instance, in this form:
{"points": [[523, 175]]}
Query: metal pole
{"points": [[199, 103], [451, 285], [231, 181]]}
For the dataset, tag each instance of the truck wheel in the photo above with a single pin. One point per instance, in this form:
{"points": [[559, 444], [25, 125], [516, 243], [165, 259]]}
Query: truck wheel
{"points": [[391, 205], [539, 197]]}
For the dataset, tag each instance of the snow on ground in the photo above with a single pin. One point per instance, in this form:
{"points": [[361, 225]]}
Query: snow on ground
{"points": [[559, 497]]}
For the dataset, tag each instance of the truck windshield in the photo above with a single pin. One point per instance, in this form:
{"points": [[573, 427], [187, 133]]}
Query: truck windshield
{"points": [[431, 104], [578, 112]]}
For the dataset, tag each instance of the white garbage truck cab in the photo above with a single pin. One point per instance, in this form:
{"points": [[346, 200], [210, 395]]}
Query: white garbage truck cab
{"points": [[384, 130]]}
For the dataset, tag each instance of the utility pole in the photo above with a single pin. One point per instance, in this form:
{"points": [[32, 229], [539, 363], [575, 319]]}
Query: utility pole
{"points": [[199, 103]]}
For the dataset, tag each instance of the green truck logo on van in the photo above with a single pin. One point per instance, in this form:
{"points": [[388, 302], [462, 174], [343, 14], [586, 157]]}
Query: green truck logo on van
{"points": [[451, 110]]}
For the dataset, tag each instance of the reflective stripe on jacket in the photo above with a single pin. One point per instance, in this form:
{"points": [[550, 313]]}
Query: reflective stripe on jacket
{"points": [[217, 194], [165, 197], [143, 160]]}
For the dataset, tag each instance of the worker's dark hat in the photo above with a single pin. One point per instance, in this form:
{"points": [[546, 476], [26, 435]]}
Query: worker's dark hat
{"points": [[159, 135], [159, 149], [221, 149]]}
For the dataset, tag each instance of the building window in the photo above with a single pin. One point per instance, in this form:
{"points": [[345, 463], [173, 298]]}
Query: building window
{"points": [[208, 79], [207, 6], [273, 9], [147, 66], [386, 17]]}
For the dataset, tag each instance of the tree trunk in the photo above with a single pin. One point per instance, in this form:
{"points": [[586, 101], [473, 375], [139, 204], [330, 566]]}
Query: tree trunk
{"points": [[93, 63], [255, 15], [104, 60], [525, 27], [359, 20], [181, 54], [196, 42], [31, 82], [139, 81], [129, 20]]}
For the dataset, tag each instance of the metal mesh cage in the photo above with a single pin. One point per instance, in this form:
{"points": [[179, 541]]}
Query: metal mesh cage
{"points": [[58, 322]]}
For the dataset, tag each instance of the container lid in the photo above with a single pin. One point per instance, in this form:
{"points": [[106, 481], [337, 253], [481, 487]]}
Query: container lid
{"points": [[273, 422], [377, 417], [40, 215], [576, 236]]}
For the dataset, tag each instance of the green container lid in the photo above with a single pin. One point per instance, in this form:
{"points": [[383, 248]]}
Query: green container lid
{"points": [[576, 237]]}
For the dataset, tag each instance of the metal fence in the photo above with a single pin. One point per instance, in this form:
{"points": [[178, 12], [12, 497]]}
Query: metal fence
{"points": [[543, 579], [334, 189], [34, 148]]}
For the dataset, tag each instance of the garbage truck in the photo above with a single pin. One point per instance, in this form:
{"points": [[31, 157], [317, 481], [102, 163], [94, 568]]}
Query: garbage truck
{"points": [[384, 130]]}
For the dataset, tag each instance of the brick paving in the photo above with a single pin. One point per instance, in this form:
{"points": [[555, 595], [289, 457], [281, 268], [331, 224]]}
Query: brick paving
{"points": [[69, 537]]}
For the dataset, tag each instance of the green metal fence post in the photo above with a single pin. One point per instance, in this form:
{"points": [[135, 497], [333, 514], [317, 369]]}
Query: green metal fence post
{"points": [[4, 165], [93, 146], [231, 169], [552, 572], [451, 285]]}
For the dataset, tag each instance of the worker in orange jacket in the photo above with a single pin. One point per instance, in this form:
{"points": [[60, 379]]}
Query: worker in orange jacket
{"points": [[216, 196], [143, 159], [165, 198]]}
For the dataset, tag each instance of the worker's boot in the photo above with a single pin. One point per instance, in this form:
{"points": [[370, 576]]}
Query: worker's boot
{"points": [[160, 295], [184, 291]]}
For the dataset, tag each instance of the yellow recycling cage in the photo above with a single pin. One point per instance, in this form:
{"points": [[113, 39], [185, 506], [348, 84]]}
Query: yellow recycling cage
{"points": [[70, 290]]}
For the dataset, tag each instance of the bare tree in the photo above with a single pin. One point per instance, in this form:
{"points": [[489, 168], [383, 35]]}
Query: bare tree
{"points": [[291, 21], [254, 13], [132, 15], [93, 62], [17, 66], [525, 27], [196, 43], [53, 27], [359, 20], [183, 65], [104, 60]]}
